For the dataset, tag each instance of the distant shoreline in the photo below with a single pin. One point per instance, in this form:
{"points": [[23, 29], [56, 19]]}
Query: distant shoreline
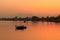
{"points": [[33, 18]]}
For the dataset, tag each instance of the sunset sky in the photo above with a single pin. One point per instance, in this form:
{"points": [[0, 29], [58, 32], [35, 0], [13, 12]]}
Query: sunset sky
{"points": [[10, 8]]}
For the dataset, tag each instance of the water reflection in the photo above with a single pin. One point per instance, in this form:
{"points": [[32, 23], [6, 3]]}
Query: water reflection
{"points": [[34, 31]]}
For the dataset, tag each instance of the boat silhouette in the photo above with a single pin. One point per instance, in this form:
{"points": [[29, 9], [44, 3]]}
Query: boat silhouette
{"points": [[21, 27]]}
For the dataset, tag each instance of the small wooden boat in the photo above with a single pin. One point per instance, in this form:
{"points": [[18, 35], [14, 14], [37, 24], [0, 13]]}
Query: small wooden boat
{"points": [[22, 27]]}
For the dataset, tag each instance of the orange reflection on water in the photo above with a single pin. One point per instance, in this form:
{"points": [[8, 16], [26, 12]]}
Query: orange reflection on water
{"points": [[34, 31]]}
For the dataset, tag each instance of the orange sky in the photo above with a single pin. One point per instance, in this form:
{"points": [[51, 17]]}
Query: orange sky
{"points": [[29, 7]]}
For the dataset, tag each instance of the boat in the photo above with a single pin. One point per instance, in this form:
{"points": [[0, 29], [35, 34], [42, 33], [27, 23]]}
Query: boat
{"points": [[21, 27]]}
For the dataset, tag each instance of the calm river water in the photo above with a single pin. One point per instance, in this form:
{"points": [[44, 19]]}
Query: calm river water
{"points": [[34, 31]]}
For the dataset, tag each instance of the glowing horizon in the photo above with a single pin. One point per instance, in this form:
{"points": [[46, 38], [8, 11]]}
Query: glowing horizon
{"points": [[31, 7]]}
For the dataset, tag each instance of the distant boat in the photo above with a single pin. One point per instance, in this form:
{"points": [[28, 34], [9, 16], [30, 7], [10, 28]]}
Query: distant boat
{"points": [[22, 27], [24, 21]]}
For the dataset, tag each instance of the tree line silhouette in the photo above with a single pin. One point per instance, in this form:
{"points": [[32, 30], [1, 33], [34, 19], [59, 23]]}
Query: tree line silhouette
{"points": [[34, 18]]}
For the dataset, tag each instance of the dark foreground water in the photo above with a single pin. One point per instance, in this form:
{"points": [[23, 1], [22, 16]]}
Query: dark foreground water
{"points": [[34, 31]]}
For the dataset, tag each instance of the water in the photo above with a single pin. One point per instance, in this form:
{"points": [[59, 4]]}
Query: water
{"points": [[34, 31]]}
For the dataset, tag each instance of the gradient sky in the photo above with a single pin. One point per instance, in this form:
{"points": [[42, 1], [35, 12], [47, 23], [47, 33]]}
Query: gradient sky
{"points": [[9, 8]]}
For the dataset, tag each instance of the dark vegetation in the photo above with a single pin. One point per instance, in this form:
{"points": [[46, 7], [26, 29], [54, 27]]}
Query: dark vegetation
{"points": [[34, 18]]}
